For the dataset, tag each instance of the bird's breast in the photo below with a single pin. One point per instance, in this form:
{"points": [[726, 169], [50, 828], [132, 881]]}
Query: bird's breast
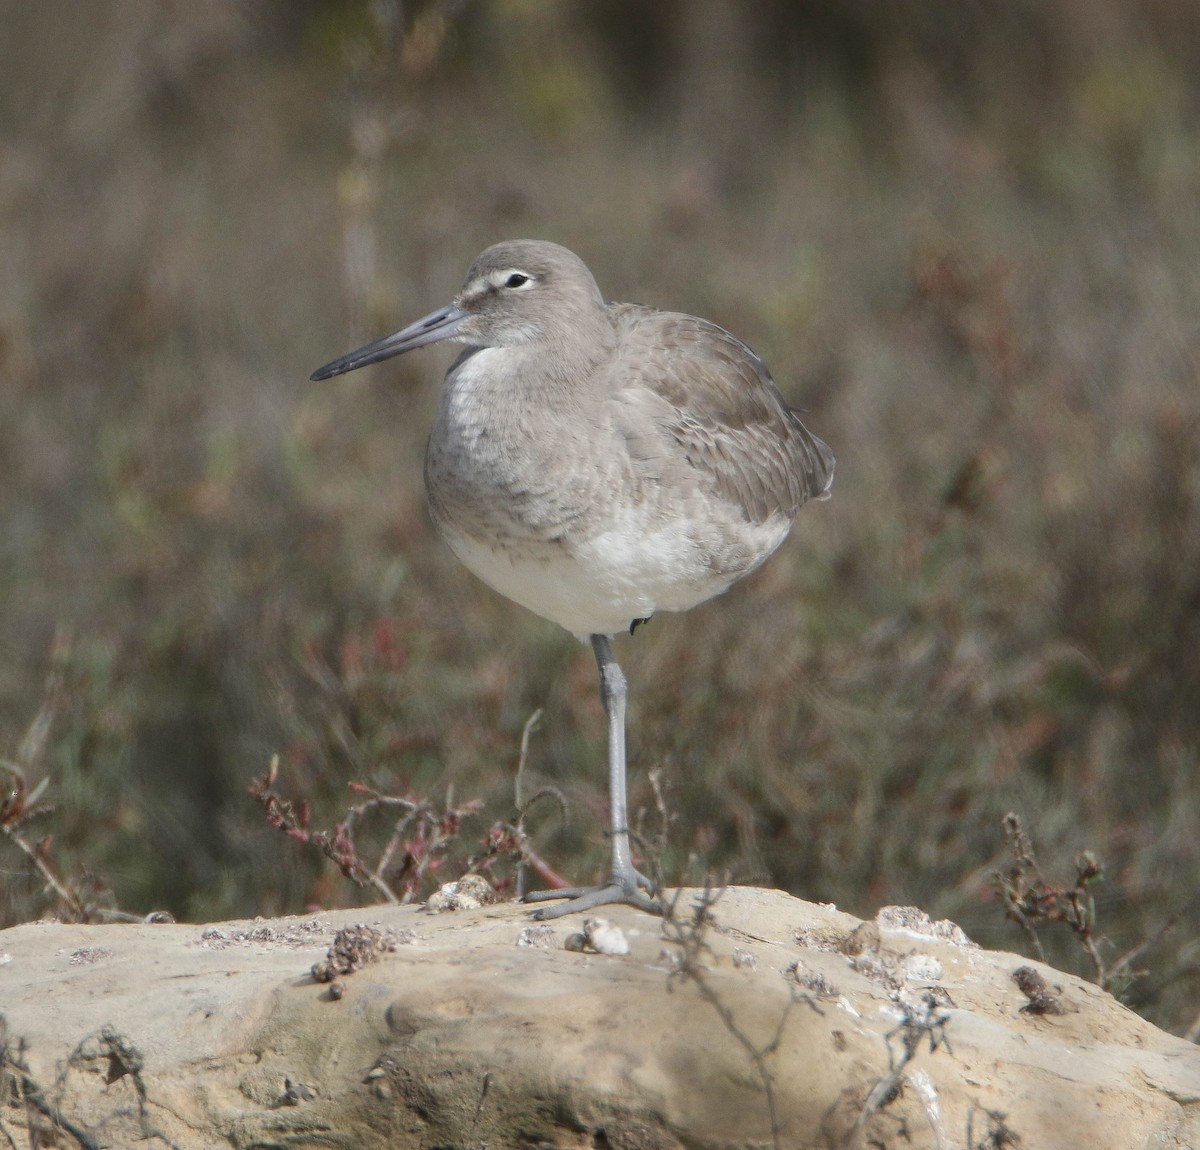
{"points": [[508, 463], [561, 507]]}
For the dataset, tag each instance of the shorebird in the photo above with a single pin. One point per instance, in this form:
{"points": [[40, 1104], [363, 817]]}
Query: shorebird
{"points": [[598, 462]]}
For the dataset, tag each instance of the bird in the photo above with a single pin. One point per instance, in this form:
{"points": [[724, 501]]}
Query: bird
{"points": [[600, 462]]}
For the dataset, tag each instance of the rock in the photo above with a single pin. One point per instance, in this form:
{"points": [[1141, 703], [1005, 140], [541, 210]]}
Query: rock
{"points": [[471, 892], [450, 1032]]}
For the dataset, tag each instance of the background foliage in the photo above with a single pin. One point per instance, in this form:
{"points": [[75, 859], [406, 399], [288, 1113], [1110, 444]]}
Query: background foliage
{"points": [[964, 236]]}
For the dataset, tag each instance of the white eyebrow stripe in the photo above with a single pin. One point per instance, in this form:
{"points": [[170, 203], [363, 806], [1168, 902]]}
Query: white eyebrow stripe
{"points": [[497, 279]]}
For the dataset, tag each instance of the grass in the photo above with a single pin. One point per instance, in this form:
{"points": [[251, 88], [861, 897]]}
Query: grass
{"points": [[978, 282]]}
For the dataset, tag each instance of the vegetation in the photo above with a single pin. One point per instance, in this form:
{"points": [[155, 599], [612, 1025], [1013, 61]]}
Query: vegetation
{"points": [[964, 237]]}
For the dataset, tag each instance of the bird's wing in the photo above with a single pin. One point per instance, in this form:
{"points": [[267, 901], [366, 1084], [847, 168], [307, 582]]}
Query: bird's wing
{"points": [[692, 396]]}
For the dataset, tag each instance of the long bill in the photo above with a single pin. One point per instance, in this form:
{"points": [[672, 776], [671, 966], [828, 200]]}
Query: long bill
{"points": [[441, 324]]}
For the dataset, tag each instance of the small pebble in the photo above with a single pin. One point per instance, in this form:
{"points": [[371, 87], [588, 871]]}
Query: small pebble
{"points": [[603, 937], [539, 935], [922, 968], [471, 892]]}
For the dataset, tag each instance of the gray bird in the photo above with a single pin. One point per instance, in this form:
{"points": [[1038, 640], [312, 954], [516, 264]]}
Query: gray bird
{"points": [[598, 462]]}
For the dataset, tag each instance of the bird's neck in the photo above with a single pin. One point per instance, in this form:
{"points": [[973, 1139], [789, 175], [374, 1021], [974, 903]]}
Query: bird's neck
{"points": [[560, 371]]}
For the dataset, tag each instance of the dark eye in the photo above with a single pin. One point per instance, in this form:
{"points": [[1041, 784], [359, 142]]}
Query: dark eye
{"points": [[516, 280]]}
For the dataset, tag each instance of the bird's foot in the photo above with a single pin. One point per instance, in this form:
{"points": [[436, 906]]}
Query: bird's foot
{"points": [[616, 890]]}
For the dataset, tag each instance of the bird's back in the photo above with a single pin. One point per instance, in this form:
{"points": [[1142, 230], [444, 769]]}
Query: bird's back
{"points": [[699, 397]]}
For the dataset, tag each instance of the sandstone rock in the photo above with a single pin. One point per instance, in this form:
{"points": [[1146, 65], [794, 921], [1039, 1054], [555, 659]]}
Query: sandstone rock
{"points": [[445, 1031]]}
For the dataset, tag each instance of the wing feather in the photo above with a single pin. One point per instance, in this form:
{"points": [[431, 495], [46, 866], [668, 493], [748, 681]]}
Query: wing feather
{"points": [[697, 399]]}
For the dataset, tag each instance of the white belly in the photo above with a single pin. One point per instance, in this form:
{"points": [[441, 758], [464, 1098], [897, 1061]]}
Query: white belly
{"points": [[600, 586]]}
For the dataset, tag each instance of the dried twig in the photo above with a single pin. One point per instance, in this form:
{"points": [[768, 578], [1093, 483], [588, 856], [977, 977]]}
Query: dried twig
{"points": [[1030, 900], [922, 1021], [419, 836], [689, 935], [18, 808]]}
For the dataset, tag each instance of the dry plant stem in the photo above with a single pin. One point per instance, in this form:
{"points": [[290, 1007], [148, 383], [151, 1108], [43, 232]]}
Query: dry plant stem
{"points": [[914, 1027], [542, 869], [664, 825], [531, 725], [1082, 920], [420, 813], [1030, 933], [1125, 963], [32, 1098], [998, 1135], [412, 810], [33, 745], [519, 789], [422, 851], [1023, 862], [689, 937], [19, 808], [529, 857], [63, 892], [1029, 899]]}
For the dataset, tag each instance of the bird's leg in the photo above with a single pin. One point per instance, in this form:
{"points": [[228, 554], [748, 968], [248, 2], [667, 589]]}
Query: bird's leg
{"points": [[613, 693], [625, 883]]}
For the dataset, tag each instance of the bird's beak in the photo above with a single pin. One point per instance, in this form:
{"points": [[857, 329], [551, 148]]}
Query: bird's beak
{"points": [[441, 324]]}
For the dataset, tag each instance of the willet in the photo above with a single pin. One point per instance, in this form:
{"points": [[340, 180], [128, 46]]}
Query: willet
{"points": [[598, 462]]}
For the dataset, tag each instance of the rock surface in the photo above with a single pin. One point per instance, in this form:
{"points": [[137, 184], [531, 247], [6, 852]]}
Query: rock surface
{"points": [[478, 1029]]}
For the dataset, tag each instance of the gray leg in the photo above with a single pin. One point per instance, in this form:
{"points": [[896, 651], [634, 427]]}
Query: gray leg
{"points": [[625, 884]]}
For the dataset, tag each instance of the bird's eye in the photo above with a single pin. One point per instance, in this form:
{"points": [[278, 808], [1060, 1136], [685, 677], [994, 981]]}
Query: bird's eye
{"points": [[516, 280]]}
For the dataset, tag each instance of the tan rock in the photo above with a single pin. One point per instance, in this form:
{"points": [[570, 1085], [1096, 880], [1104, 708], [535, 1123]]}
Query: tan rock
{"points": [[443, 1031]]}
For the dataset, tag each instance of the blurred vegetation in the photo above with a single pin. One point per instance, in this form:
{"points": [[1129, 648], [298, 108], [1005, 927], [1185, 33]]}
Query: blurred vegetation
{"points": [[963, 235]]}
